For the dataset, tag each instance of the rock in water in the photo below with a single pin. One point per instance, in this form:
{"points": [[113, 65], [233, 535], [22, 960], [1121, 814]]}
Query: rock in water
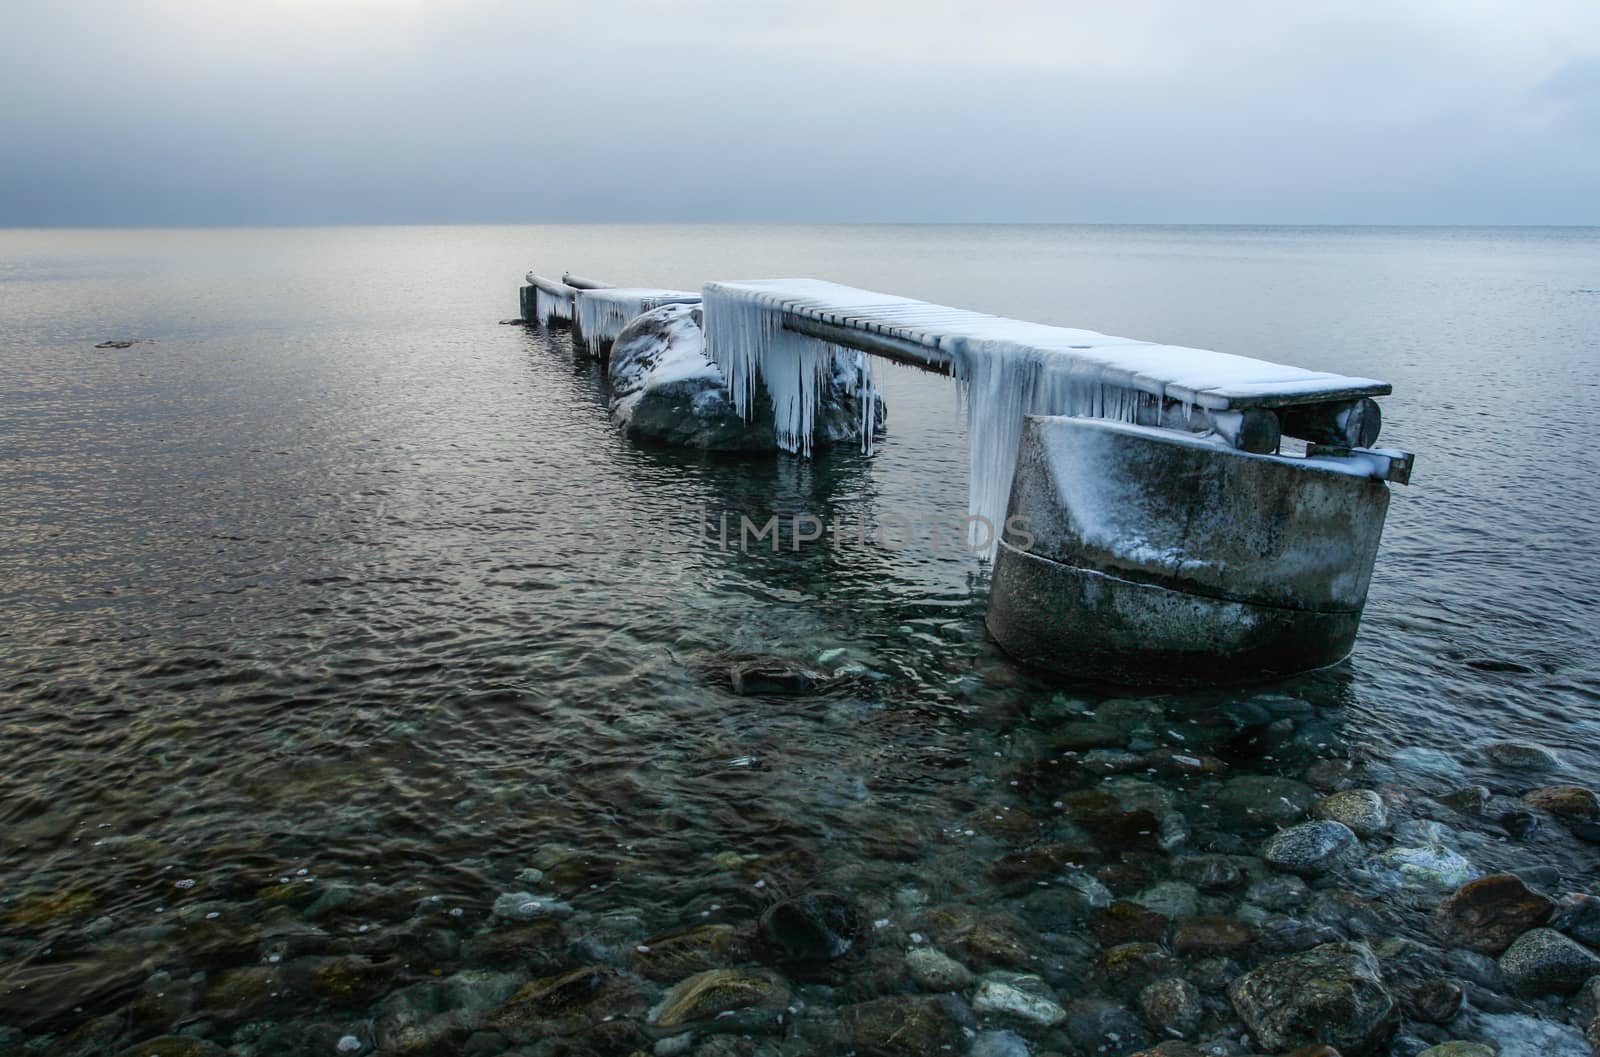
{"points": [[936, 971], [1578, 915], [1312, 848], [1433, 868], [901, 1026], [1567, 801], [1332, 994], [812, 928], [1487, 914], [1543, 961], [1018, 995], [664, 389], [772, 675], [1172, 1006], [1521, 756], [1360, 809], [720, 993]]}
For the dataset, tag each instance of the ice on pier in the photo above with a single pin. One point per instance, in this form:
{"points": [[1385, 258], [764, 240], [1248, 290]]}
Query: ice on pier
{"points": [[603, 313], [548, 306], [1005, 368]]}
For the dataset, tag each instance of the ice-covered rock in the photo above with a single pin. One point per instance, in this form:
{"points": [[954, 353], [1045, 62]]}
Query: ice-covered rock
{"points": [[664, 389]]}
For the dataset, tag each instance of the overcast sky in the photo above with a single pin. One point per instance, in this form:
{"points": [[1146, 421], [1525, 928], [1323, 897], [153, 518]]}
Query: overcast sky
{"points": [[1156, 111]]}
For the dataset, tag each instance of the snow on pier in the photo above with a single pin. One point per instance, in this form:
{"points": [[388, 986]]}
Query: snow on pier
{"points": [[789, 333]]}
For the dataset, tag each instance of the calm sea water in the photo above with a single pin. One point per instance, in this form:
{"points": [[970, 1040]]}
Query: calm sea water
{"points": [[337, 575]]}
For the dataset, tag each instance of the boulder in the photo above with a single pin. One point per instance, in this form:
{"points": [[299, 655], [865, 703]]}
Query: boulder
{"points": [[1543, 961], [1332, 995], [1486, 915], [1360, 809], [1312, 848], [666, 390]]}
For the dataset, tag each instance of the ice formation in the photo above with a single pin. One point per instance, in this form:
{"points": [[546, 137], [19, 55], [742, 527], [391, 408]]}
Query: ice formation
{"points": [[603, 313], [547, 306], [1005, 368]]}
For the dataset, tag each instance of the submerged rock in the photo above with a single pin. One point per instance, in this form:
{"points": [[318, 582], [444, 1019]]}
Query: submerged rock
{"points": [[936, 971], [1543, 961], [674, 955], [568, 1003], [1312, 848], [1333, 994], [1172, 1006], [665, 389], [817, 927], [1487, 914], [1566, 801], [720, 992], [1264, 799], [1017, 995], [1519, 1035], [900, 1026], [1521, 756], [1360, 809], [1433, 868], [753, 674], [1578, 915]]}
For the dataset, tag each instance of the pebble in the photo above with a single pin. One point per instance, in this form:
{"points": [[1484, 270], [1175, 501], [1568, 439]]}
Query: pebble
{"points": [[1018, 995], [1519, 1035], [1543, 961], [1578, 915], [1521, 755], [1572, 802], [1172, 1006], [998, 1044], [934, 970], [1487, 914], [1312, 848], [348, 1044], [1360, 809], [1458, 1049], [1432, 868]]}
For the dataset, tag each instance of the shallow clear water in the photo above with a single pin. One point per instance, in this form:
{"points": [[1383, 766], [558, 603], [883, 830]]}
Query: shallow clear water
{"points": [[337, 575]]}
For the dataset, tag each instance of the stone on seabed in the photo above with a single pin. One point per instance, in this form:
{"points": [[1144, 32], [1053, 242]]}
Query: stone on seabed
{"points": [[1543, 961], [1567, 801], [1017, 995], [1312, 848], [1521, 755], [1360, 809], [1486, 915], [1333, 994]]}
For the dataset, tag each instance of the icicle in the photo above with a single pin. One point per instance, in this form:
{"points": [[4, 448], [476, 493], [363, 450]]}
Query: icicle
{"points": [[604, 313], [1004, 369]]}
